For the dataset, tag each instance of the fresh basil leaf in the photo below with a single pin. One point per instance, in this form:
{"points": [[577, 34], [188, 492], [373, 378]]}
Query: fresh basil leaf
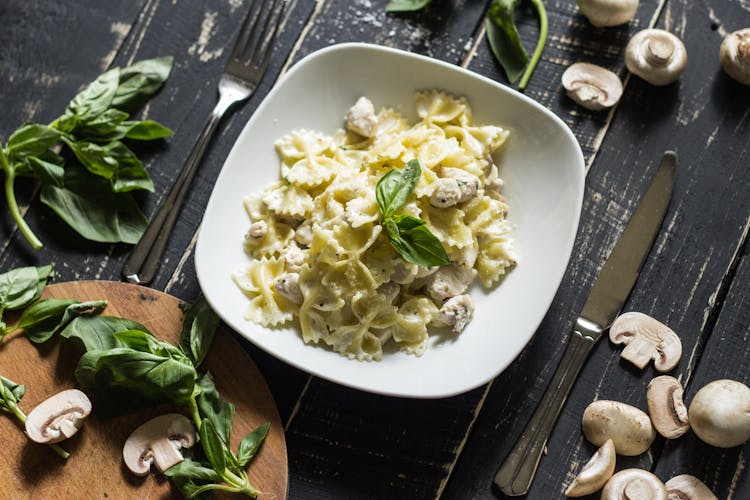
{"points": [[11, 393], [212, 445], [504, 39], [96, 98], [31, 139], [146, 342], [130, 173], [190, 469], [21, 286], [147, 130], [419, 246], [251, 443], [82, 204], [198, 330], [48, 173], [395, 187], [212, 407], [102, 126], [95, 157], [140, 81], [407, 222], [43, 319], [96, 333], [405, 5]]}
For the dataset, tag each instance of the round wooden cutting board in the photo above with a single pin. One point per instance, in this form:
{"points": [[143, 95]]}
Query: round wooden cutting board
{"points": [[95, 468]]}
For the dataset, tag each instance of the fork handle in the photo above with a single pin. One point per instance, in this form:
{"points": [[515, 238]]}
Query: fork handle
{"points": [[515, 474], [143, 262]]}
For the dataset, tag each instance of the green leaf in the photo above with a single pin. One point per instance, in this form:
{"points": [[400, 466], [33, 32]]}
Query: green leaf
{"points": [[147, 130], [31, 139], [96, 98], [198, 330], [140, 81], [21, 286], [101, 127], [405, 5], [95, 157], [407, 222], [416, 244], [87, 205], [395, 187], [43, 319], [129, 173], [10, 393], [212, 407], [212, 445], [504, 39], [48, 173], [251, 443], [190, 469], [96, 333]]}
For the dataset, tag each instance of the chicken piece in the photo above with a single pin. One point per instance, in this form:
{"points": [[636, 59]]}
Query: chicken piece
{"points": [[447, 193], [287, 285], [303, 234], [257, 231], [448, 282], [361, 118], [457, 312], [294, 257], [467, 183], [403, 272]]}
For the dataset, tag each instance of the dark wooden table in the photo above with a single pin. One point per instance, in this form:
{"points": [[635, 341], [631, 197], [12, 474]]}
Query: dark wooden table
{"points": [[348, 444]]}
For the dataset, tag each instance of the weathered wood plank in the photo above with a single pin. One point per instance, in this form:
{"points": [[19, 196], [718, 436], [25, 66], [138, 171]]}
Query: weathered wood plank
{"points": [[703, 228]]}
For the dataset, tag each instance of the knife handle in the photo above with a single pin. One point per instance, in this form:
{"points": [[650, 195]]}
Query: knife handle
{"points": [[515, 474]]}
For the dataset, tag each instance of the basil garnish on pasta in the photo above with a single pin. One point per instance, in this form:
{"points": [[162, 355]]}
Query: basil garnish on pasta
{"points": [[409, 235]]}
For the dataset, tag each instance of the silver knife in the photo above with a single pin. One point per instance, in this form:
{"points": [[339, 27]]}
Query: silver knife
{"points": [[606, 298]]}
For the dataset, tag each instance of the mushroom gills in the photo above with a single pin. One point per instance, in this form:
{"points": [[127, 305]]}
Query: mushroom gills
{"points": [[592, 86], [158, 442], [646, 338], [634, 484], [666, 408], [58, 417]]}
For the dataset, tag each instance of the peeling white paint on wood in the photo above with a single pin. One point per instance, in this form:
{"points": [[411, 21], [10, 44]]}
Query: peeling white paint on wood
{"points": [[200, 46], [120, 30]]}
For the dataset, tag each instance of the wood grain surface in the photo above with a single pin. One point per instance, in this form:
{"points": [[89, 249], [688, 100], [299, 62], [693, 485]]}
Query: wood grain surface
{"points": [[347, 444], [95, 468]]}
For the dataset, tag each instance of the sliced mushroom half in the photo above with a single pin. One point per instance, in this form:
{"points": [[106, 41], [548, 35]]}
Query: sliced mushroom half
{"points": [[592, 86], [666, 408], [734, 55], [595, 473], [628, 427], [634, 484], [645, 339], [657, 56], [158, 442], [58, 417], [687, 487]]}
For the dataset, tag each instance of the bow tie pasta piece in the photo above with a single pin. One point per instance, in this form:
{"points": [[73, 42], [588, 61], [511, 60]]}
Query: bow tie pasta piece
{"points": [[318, 248]]}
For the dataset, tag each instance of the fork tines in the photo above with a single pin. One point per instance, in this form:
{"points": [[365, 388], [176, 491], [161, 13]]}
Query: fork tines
{"points": [[258, 32]]}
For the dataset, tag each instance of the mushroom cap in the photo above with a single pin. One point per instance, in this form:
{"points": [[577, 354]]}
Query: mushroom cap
{"points": [[657, 56], [666, 408], [595, 473], [734, 55], [592, 86], [58, 417], [720, 413], [634, 484], [687, 487], [602, 13], [158, 441], [628, 427], [646, 339]]}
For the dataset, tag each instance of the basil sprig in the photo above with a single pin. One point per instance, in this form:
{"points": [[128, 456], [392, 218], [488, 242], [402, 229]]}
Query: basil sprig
{"points": [[19, 288], [408, 235], [91, 190]]}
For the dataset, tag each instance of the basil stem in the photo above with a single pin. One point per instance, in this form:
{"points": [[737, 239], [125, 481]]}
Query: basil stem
{"points": [[10, 196], [542, 13]]}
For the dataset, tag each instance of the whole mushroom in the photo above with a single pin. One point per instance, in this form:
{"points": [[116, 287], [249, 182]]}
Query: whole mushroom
{"points": [[634, 484], [602, 13], [628, 427], [592, 86], [657, 56], [595, 473], [687, 487], [158, 442], [734, 55], [720, 413], [645, 339], [58, 417]]}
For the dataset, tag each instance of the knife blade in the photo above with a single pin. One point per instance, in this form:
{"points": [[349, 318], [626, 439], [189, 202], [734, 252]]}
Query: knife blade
{"points": [[605, 300]]}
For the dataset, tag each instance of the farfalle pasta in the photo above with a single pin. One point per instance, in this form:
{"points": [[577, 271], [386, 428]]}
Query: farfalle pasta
{"points": [[320, 255]]}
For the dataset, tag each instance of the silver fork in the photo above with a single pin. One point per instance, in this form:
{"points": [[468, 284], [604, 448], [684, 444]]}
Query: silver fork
{"points": [[242, 73]]}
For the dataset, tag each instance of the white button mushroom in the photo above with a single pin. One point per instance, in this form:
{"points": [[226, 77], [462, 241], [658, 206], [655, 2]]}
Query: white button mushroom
{"points": [[645, 339], [634, 484], [592, 86], [58, 417], [687, 487], [158, 442], [666, 408], [720, 413], [287, 285], [457, 312], [603, 13], [628, 427], [361, 118], [595, 473], [657, 56], [734, 55]]}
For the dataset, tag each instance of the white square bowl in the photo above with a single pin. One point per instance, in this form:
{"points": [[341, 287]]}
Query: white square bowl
{"points": [[543, 169]]}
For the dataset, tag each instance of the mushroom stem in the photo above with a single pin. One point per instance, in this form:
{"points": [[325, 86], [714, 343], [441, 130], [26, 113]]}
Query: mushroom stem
{"points": [[659, 51], [21, 416]]}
